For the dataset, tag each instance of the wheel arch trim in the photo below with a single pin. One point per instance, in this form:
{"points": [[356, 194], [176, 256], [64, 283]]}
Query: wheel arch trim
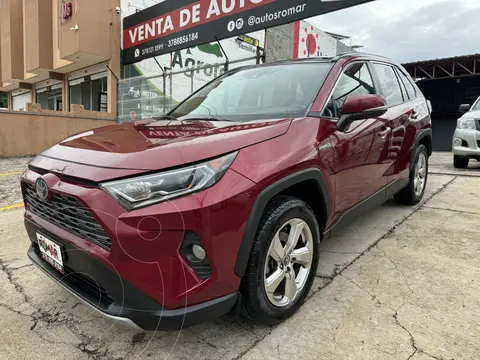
{"points": [[422, 134], [261, 202]]}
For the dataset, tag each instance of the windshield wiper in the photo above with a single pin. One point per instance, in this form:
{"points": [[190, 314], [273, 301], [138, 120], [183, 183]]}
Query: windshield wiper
{"points": [[165, 117], [207, 119]]}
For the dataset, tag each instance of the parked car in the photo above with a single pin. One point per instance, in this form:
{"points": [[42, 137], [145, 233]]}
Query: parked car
{"points": [[466, 139], [221, 205]]}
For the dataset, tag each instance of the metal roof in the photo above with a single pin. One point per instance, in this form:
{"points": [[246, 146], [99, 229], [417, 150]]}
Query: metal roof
{"points": [[440, 60], [458, 66]]}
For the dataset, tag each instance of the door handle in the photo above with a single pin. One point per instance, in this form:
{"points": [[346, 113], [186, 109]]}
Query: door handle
{"points": [[385, 131], [414, 115]]}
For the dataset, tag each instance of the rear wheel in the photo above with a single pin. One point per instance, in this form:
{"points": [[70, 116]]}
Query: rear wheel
{"points": [[283, 262], [413, 193], [460, 162]]}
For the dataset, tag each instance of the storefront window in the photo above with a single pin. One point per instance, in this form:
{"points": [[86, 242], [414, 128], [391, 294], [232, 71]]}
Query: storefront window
{"points": [[89, 93], [50, 99]]}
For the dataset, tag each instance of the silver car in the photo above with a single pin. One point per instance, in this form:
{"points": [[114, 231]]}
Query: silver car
{"points": [[466, 140]]}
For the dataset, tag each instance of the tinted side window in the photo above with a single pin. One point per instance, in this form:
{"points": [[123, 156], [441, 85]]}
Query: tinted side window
{"points": [[356, 79], [404, 91], [412, 94], [389, 84]]}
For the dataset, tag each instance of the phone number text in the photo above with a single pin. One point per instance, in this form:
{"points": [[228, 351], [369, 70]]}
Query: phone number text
{"points": [[171, 42], [183, 39]]}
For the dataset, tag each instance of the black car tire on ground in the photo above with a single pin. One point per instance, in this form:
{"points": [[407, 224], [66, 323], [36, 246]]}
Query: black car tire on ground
{"points": [[255, 303], [460, 162], [408, 196]]}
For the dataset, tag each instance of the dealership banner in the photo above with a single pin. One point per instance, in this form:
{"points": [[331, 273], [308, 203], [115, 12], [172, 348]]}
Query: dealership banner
{"points": [[178, 24]]}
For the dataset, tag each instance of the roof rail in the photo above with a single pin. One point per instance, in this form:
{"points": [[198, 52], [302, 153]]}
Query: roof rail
{"points": [[356, 53]]}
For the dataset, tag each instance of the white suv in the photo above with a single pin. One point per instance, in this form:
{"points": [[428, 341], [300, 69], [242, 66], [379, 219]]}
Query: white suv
{"points": [[466, 140]]}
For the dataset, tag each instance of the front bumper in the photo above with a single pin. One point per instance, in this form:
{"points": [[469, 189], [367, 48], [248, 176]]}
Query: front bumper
{"points": [[155, 318], [471, 143], [142, 276]]}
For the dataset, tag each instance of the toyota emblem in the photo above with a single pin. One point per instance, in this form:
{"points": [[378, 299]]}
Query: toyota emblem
{"points": [[42, 189]]}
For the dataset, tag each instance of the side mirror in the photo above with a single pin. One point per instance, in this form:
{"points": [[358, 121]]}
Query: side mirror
{"points": [[361, 107], [464, 108]]}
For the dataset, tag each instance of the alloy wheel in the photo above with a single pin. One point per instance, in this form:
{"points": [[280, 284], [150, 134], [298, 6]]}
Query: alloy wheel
{"points": [[420, 174], [289, 262]]}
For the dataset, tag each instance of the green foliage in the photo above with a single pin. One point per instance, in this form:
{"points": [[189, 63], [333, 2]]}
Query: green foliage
{"points": [[3, 99]]}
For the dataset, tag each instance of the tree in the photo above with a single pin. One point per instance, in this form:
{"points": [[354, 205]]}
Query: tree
{"points": [[3, 99]]}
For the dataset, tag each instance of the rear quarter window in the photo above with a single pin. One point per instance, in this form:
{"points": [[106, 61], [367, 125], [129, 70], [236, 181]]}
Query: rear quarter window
{"points": [[411, 92], [389, 84]]}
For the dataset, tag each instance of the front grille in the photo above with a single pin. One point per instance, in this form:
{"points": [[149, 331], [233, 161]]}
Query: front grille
{"points": [[88, 287], [478, 143], [85, 286], [67, 213]]}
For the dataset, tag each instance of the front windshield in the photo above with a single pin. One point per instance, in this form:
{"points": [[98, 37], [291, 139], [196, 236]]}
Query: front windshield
{"points": [[266, 92]]}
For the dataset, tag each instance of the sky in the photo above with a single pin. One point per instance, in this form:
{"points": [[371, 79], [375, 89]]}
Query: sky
{"points": [[409, 30]]}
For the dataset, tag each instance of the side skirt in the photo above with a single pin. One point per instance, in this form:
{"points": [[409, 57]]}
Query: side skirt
{"points": [[367, 205]]}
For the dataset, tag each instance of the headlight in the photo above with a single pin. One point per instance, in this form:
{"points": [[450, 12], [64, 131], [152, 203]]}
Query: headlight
{"points": [[466, 124], [150, 189]]}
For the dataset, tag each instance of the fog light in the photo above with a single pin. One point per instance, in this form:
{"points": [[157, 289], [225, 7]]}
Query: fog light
{"points": [[457, 142], [196, 255], [199, 252]]}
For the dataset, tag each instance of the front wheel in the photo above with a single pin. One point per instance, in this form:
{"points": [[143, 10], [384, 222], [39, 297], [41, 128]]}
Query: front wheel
{"points": [[283, 262], [413, 193], [460, 162]]}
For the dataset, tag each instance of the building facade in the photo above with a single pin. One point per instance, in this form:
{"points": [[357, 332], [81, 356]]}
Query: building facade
{"points": [[59, 55], [59, 65]]}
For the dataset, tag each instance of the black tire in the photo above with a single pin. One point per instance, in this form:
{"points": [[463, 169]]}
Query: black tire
{"points": [[407, 196], [460, 162], [255, 303]]}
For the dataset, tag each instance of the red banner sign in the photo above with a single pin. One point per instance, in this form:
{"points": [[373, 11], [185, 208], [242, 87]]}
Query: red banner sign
{"points": [[177, 24]]}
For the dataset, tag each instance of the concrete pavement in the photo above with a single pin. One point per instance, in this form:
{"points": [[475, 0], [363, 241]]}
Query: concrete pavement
{"points": [[10, 170], [399, 283], [442, 163]]}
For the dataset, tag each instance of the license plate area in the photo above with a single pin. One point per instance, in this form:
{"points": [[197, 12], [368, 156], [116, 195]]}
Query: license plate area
{"points": [[51, 252]]}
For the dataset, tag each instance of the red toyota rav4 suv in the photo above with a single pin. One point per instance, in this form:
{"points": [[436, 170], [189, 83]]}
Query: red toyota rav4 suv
{"points": [[221, 205]]}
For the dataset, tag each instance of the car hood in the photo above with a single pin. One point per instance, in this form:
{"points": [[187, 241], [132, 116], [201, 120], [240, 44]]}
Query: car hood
{"points": [[160, 144], [472, 115]]}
